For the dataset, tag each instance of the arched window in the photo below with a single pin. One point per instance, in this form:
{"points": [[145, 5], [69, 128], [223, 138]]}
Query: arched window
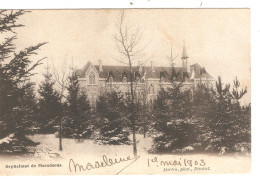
{"points": [[92, 78], [137, 80], [142, 95]]}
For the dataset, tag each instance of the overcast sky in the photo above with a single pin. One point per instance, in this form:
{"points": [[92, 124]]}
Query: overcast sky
{"points": [[218, 39]]}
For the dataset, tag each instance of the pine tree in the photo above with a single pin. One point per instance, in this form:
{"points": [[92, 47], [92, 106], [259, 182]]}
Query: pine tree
{"points": [[202, 99], [202, 104], [174, 127], [78, 123], [228, 122], [112, 119], [15, 72], [50, 107], [143, 116]]}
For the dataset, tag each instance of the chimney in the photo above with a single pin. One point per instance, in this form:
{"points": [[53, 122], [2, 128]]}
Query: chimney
{"points": [[100, 66], [152, 66]]}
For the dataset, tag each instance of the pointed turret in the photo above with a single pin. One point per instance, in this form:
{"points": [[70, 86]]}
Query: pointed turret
{"points": [[184, 53], [185, 62], [171, 58]]}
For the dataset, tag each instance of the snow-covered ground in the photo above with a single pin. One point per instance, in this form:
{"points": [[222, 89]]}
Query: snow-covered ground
{"points": [[49, 147], [87, 151]]}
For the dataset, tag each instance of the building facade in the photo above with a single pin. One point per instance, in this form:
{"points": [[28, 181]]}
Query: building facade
{"points": [[95, 79]]}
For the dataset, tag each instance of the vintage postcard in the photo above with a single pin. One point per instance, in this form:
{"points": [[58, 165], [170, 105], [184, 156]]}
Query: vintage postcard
{"points": [[125, 91]]}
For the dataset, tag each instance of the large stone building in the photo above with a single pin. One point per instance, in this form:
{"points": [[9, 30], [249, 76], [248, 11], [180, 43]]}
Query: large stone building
{"points": [[95, 79]]}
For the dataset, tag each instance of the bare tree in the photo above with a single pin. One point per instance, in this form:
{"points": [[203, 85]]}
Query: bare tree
{"points": [[61, 77], [171, 59], [128, 43]]}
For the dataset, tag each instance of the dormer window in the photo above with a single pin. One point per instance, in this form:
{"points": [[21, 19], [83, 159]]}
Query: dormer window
{"points": [[162, 79], [124, 80], [92, 78], [162, 76], [110, 80]]}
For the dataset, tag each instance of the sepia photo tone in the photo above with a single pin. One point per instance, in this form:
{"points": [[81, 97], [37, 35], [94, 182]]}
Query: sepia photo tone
{"points": [[125, 91]]}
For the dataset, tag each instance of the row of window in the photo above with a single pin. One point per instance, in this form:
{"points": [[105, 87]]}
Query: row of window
{"points": [[92, 79]]}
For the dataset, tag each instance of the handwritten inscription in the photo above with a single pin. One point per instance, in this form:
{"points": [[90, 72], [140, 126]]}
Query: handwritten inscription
{"points": [[105, 162], [180, 164]]}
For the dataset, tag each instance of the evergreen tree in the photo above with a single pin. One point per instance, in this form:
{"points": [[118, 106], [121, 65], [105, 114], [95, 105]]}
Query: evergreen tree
{"points": [[229, 124], [49, 103], [143, 116], [203, 98], [78, 123], [15, 72], [23, 115], [174, 127], [112, 119]]}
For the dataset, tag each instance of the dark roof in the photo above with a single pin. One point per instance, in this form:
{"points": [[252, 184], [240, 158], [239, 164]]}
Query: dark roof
{"points": [[118, 71], [166, 70], [82, 72], [200, 72]]}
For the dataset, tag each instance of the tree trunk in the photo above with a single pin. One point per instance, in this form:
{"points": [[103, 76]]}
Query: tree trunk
{"points": [[144, 130], [134, 143], [132, 112], [60, 136]]}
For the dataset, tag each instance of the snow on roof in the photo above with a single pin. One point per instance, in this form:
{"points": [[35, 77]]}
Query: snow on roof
{"points": [[118, 71]]}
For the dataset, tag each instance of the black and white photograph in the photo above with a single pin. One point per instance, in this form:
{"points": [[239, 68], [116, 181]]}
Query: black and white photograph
{"points": [[125, 91]]}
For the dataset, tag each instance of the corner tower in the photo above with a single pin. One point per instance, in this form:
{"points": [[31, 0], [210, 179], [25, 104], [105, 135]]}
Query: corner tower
{"points": [[185, 62]]}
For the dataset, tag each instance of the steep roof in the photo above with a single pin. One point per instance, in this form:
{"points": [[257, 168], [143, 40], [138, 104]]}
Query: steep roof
{"points": [[82, 72], [115, 71], [119, 71], [200, 72]]}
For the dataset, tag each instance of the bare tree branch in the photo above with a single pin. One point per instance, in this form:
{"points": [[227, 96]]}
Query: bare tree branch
{"points": [[128, 42], [61, 77]]}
